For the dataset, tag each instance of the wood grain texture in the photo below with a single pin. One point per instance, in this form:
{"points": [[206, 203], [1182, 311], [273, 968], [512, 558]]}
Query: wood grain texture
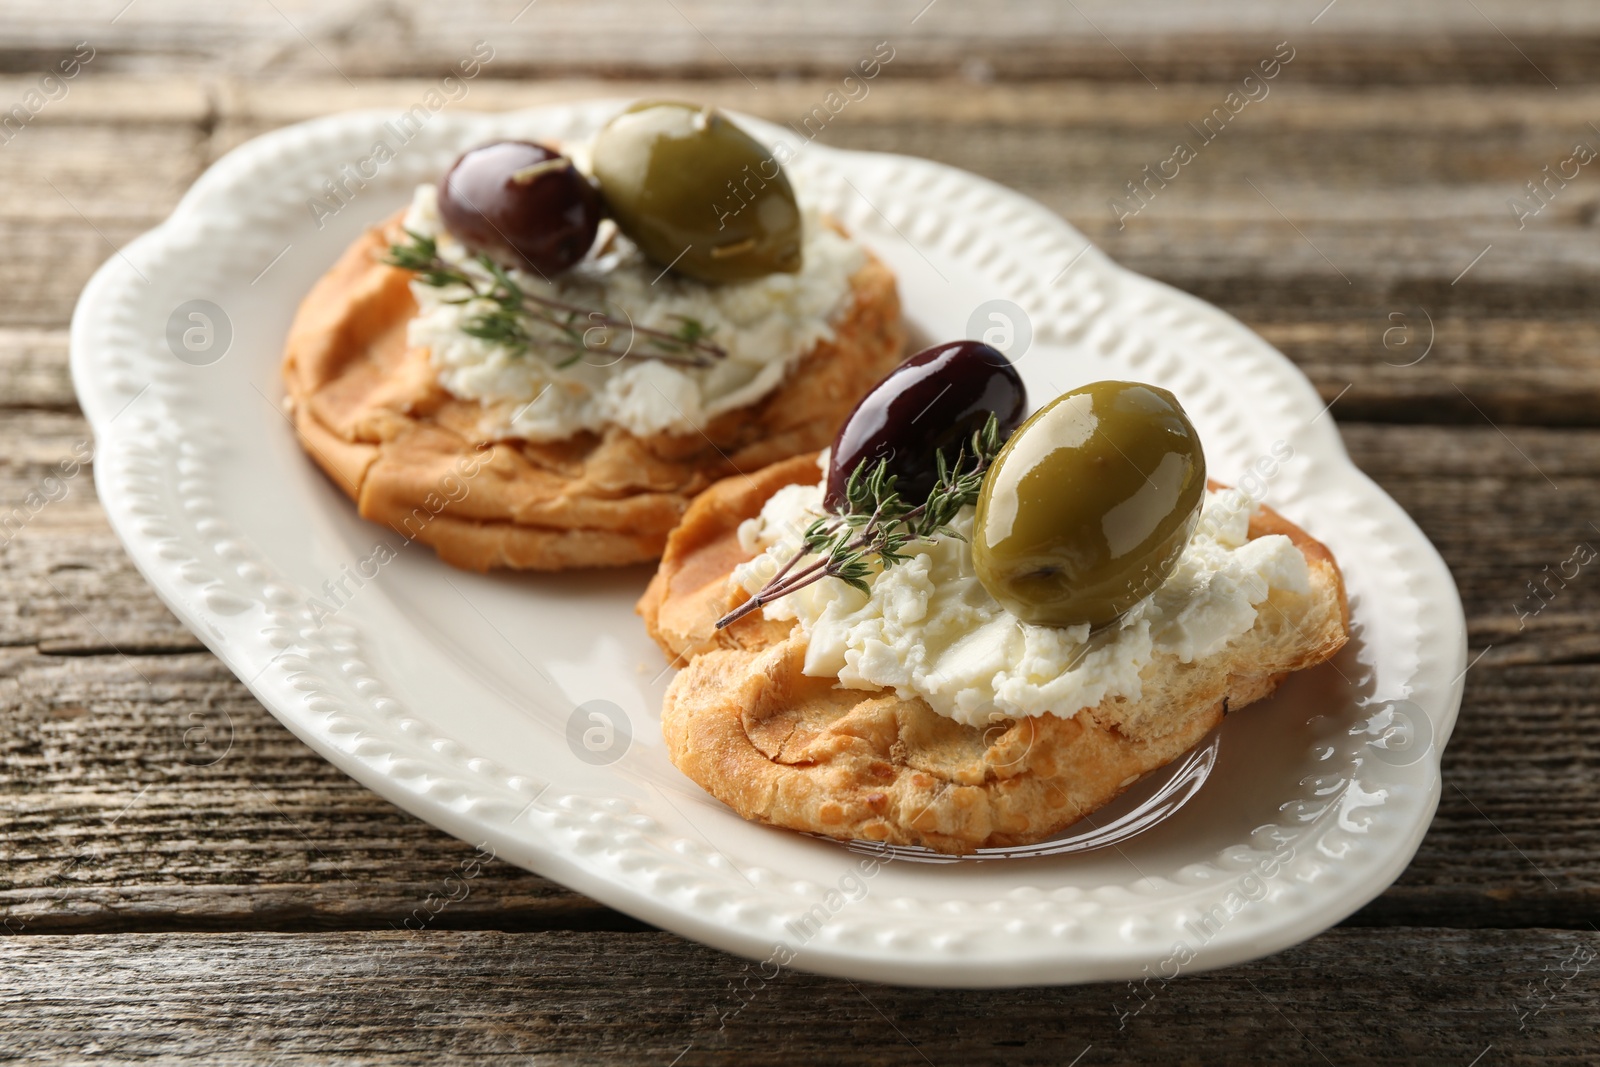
{"points": [[153, 792], [89, 619], [569, 997], [108, 704], [33, 371], [1358, 42], [183, 880], [1340, 222]]}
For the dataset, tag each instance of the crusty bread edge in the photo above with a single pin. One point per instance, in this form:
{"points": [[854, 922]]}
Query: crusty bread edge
{"points": [[361, 289], [735, 675]]}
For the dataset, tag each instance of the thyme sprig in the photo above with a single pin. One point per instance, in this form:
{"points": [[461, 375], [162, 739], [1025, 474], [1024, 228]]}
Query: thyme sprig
{"points": [[510, 320], [875, 524]]}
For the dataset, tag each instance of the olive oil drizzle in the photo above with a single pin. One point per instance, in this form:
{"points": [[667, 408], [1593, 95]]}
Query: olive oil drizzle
{"points": [[876, 523], [507, 322]]}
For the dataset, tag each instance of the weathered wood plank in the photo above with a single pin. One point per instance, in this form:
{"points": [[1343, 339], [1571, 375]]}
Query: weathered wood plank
{"points": [[73, 175], [98, 728], [153, 793], [1396, 190], [69, 586], [1466, 486], [1388, 141], [149, 791], [1359, 42], [1518, 370], [45, 265], [1516, 335], [1533, 494], [1506, 847], [34, 372], [94, 96], [1512, 841], [1524, 370], [1447, 997], [1521, 764], [1065, 102], [1540, 371]]}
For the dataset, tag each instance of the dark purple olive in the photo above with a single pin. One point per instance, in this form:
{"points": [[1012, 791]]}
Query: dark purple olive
{"points": [[935, 400], [521, 205]]}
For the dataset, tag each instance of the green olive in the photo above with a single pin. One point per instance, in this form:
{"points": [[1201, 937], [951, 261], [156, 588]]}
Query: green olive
{"points": [[697, 193], [1089, 504]]}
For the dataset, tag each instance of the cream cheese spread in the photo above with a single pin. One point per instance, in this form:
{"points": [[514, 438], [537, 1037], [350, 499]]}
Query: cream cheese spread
{"points": [[930, 629], [765, 326]]}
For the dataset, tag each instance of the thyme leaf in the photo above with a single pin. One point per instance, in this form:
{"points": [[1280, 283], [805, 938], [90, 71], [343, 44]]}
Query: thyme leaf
{"points": [[514, 311], [871, 530]]}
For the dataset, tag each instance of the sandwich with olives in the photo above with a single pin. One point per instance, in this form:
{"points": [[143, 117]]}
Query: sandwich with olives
{"points": [[542, 360], [960, 628]]}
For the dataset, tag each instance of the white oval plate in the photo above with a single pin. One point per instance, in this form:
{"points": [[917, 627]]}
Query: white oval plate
{"points": [[465, 699]]}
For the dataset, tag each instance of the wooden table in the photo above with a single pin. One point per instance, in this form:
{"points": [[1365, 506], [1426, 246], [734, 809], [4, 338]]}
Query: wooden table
{"points": [[163, 903]]}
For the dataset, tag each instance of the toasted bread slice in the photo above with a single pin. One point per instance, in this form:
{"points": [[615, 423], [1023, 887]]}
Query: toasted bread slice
{"points": [[779, 747], [370, 410]]}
